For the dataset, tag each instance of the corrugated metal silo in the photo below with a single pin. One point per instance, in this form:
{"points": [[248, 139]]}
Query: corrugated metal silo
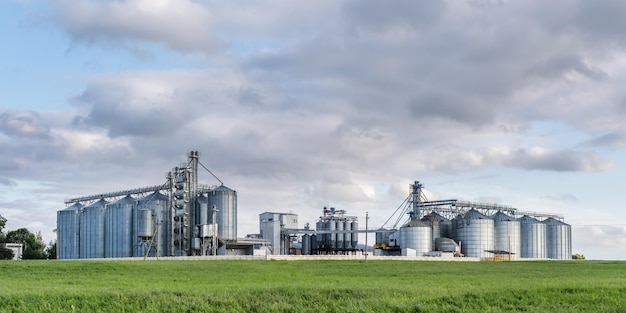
{"points": [[347, 235], [92, 222], [331, 237], [225, 199], [475, 234], [382, 237], [416, 235], [507, 234], [203, 210], [558, 239], [321, 238], [158, 204], [454, 234], [533, 233], [446, 245], [68, 231], [118, 241], [440, 226], [306, 244], [354, 239], [340, 230]]}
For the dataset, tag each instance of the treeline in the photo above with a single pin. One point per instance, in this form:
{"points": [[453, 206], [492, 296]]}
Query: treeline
{"points": [[34, 247]]}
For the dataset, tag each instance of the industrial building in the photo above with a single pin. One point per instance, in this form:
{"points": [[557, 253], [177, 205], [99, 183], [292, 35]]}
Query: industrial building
{"points": [[178, 218], [182, 217], [471, 229]]}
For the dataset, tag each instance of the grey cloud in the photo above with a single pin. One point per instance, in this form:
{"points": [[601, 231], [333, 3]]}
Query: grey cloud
{"points": [[181, 25], [602, 19], [23, 124], [558, 65], [559, 161], [613, 139], [7, 182], [445, 105], [375, 15]]}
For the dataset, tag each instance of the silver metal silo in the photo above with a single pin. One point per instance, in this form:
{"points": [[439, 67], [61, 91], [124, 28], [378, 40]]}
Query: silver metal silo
{"points": [[306, 244], [347, 235], [332, 237], [558, 239], [475, 234], [354, 239], [416, 235], [68, 232], [321, 238], [382, 237], [158, 203], [203, 210], [440, 226], [507, 235], [225, 199], [92, 222], [339, 227], [118, 242], [533, 233]]}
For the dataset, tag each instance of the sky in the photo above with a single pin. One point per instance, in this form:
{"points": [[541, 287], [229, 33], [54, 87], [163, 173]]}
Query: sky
{"points": [[299, 105]]}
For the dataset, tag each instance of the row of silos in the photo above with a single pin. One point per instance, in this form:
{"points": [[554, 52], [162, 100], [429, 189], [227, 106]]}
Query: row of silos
{"points": [[485, 236], [336, 234], [129, 227]]}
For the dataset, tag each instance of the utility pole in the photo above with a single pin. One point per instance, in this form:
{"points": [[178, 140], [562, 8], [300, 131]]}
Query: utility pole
{"points": [[366, 230]]}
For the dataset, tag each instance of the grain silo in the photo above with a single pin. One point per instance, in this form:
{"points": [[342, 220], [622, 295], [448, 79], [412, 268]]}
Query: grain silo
{"points": [[558, 239], [533, 241], [507, 239], [475, 234], [440, 226], [151, 225], [118, 242], [225, 200], [417, 236], [68, 232], [92, 221]]}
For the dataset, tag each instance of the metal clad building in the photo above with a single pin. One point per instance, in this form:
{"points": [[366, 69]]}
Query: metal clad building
{"points": [[271, 224]]}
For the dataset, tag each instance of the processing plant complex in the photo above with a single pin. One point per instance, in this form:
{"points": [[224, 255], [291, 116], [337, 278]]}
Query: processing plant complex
{"points": [[185, 218]]}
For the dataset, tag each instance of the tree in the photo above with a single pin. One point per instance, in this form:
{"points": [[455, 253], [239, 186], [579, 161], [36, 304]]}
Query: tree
{"points": [[51, 250], [5, 254], [33, 244], [578, 256]]}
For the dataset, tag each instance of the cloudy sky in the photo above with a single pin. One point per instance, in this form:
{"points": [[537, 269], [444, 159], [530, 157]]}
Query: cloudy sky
{"points": [[303, 104]]}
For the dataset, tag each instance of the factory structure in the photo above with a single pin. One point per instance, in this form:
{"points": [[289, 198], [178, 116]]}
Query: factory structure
{"points": [[182, 217]]}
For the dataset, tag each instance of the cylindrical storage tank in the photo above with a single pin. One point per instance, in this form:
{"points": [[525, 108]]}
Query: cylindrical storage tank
{"points": [[506, 234], [118, 241], [446, 245], [382, 237], [68, 232], [416, 235], [145, 224], [314, 243], [475, 234], [332, 226], [306, 244], [92, 222], [158, 204], [347, 235], [203, 210], [558, 239], [339, 227], [533, 233], [319, 226], [354, 239], [225, 199], [440, 226], [454, 234]]}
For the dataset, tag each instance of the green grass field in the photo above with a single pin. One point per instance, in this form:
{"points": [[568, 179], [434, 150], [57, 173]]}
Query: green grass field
{"points": [[312, 286]]}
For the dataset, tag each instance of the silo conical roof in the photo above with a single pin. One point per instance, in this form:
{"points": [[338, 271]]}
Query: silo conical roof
{"points": [[434, 216], [528, 220], [473, 214], [554, 221], [501, 217], [416, 223], [156, 196], [74, 207], [126, 200], [99, 203]]}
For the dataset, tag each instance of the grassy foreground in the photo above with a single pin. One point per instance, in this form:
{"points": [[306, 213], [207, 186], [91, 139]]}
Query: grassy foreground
{"points": [[312, 286]]}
